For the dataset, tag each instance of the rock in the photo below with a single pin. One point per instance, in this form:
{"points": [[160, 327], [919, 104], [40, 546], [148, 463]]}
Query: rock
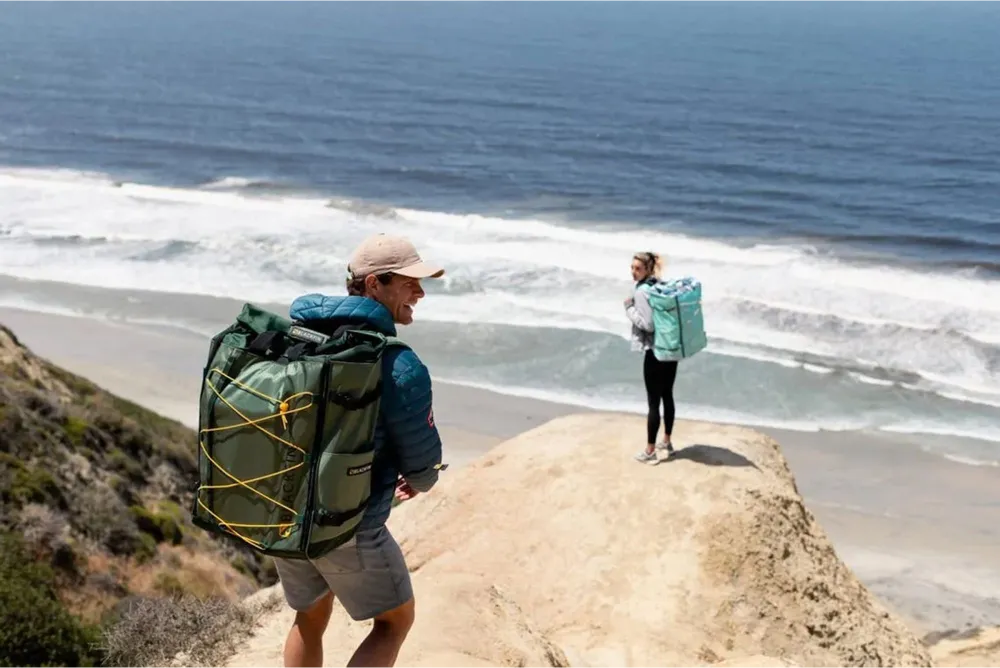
{"points": [[756, 661], [557, 548], [976, 647]]}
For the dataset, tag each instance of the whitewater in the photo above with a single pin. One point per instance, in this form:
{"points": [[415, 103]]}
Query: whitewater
{"points": [[870, 322]]}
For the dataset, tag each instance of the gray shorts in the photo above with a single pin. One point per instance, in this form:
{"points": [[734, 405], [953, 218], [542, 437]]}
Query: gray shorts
{"points": [[368, 575]]}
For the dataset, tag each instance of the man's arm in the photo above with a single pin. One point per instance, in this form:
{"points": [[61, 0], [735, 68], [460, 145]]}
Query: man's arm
{"points": [[640, 312], [409, 420]]}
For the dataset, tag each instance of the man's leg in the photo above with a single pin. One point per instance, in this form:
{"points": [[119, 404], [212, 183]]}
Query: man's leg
{"points": [[383, 643], [370, 579], [304, 644], [306, 592]]}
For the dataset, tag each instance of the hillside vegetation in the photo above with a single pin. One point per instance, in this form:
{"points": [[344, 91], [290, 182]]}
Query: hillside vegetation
{"points": [[95, 495]]}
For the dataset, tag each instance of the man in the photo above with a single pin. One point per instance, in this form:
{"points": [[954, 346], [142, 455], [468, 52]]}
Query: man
{"points": [[369, 573]]}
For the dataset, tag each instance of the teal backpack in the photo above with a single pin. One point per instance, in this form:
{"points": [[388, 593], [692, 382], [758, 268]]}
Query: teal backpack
{"points": [[678, 323]]}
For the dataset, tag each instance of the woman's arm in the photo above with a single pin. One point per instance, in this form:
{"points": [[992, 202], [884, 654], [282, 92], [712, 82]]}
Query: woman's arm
{"points": [[639, 311]]}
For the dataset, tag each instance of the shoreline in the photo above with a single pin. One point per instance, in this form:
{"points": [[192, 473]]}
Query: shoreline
{"points": [[196, 315], [918, 530]]}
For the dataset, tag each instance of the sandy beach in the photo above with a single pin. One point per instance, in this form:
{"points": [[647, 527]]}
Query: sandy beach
{"points": [[916, 528]]}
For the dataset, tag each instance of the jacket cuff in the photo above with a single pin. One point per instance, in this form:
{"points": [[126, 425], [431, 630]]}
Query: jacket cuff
{"points": [[422, 481]]}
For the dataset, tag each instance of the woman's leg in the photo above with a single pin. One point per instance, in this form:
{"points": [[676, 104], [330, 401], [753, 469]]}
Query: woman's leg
{"points": [[654, 389], [668, 376], [654, 385]]}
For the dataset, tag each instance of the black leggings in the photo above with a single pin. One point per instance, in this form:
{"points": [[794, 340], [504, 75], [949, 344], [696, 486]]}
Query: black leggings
{"points": [[659, 377]]}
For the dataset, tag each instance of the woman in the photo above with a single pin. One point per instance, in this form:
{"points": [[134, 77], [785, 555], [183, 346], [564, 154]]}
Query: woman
{"points": [[658, 376]]}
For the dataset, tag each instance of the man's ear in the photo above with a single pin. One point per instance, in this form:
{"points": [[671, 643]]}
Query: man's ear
{"points": [[371, 284]]}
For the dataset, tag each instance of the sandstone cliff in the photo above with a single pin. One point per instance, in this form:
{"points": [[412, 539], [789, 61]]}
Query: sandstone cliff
{"points": [[557, 548]]}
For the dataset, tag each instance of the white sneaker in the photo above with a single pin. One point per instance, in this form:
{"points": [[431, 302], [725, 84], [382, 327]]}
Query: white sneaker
{"points": [[669, 447], [644, 456]]}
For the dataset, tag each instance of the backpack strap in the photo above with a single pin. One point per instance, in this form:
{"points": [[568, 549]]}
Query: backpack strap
{"points": [[394, 342], [338, 331]]}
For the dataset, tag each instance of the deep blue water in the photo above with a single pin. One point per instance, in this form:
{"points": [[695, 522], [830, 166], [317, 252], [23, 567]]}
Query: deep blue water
{"points": [[829, 171], [877, 124]]}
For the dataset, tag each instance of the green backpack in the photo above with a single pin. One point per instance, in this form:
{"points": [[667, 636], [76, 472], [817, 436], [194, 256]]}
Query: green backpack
{"points": [[286, 431]]}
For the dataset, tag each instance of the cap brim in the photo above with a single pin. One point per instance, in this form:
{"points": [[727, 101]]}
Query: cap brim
{"points": [[420, 270]]}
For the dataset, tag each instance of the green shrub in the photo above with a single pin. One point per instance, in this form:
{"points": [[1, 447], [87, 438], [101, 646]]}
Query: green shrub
{"points": [[119, 485], [170, 509], [30, 484], [239, 563], [168, 584], [169, 437], [35, 629], [125, 464], [103, 517], [160, 526], [146, 549], [75, 428], [74, 383]]}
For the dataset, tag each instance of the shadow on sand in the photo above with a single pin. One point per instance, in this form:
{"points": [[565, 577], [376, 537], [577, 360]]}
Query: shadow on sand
{"points": [[709, 455]]}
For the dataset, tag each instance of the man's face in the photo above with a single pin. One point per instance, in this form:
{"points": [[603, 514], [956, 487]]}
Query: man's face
{"points": [[400, 295]]}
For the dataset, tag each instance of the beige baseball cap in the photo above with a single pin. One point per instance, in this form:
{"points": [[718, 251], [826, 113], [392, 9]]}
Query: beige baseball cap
{"points": [[384, 254]]}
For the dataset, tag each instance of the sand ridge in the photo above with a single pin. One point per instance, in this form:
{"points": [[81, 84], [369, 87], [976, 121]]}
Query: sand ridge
{"points": [[556, 548]]}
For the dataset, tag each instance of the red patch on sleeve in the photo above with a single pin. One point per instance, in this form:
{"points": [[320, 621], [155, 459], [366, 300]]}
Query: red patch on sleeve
{"points": [[430, 417]]}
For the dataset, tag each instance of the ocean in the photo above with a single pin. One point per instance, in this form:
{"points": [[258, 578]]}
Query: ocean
{"points": [[830, 172]]}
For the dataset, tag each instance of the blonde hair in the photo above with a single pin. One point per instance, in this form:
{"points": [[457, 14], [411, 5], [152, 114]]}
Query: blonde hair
{"points": [[651, 261]]}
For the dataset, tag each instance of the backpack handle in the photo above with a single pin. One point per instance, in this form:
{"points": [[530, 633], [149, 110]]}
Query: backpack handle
{"points": [[263, 343]]}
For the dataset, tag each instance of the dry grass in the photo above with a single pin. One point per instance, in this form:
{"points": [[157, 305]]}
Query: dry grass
{"points": [[161, 631], [43, 527], [107, 519], [182, 569]]}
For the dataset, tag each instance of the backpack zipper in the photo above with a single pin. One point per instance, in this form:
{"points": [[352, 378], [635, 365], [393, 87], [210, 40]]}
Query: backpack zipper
{"points": [[314, 456], [680, 324]]}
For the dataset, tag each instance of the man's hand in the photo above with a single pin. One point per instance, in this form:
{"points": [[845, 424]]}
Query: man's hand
{"points": [[404, 492], [629, 301]]}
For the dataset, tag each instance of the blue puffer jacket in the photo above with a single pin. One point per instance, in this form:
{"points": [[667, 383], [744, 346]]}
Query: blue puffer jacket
{"points": [[406, 440]]}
